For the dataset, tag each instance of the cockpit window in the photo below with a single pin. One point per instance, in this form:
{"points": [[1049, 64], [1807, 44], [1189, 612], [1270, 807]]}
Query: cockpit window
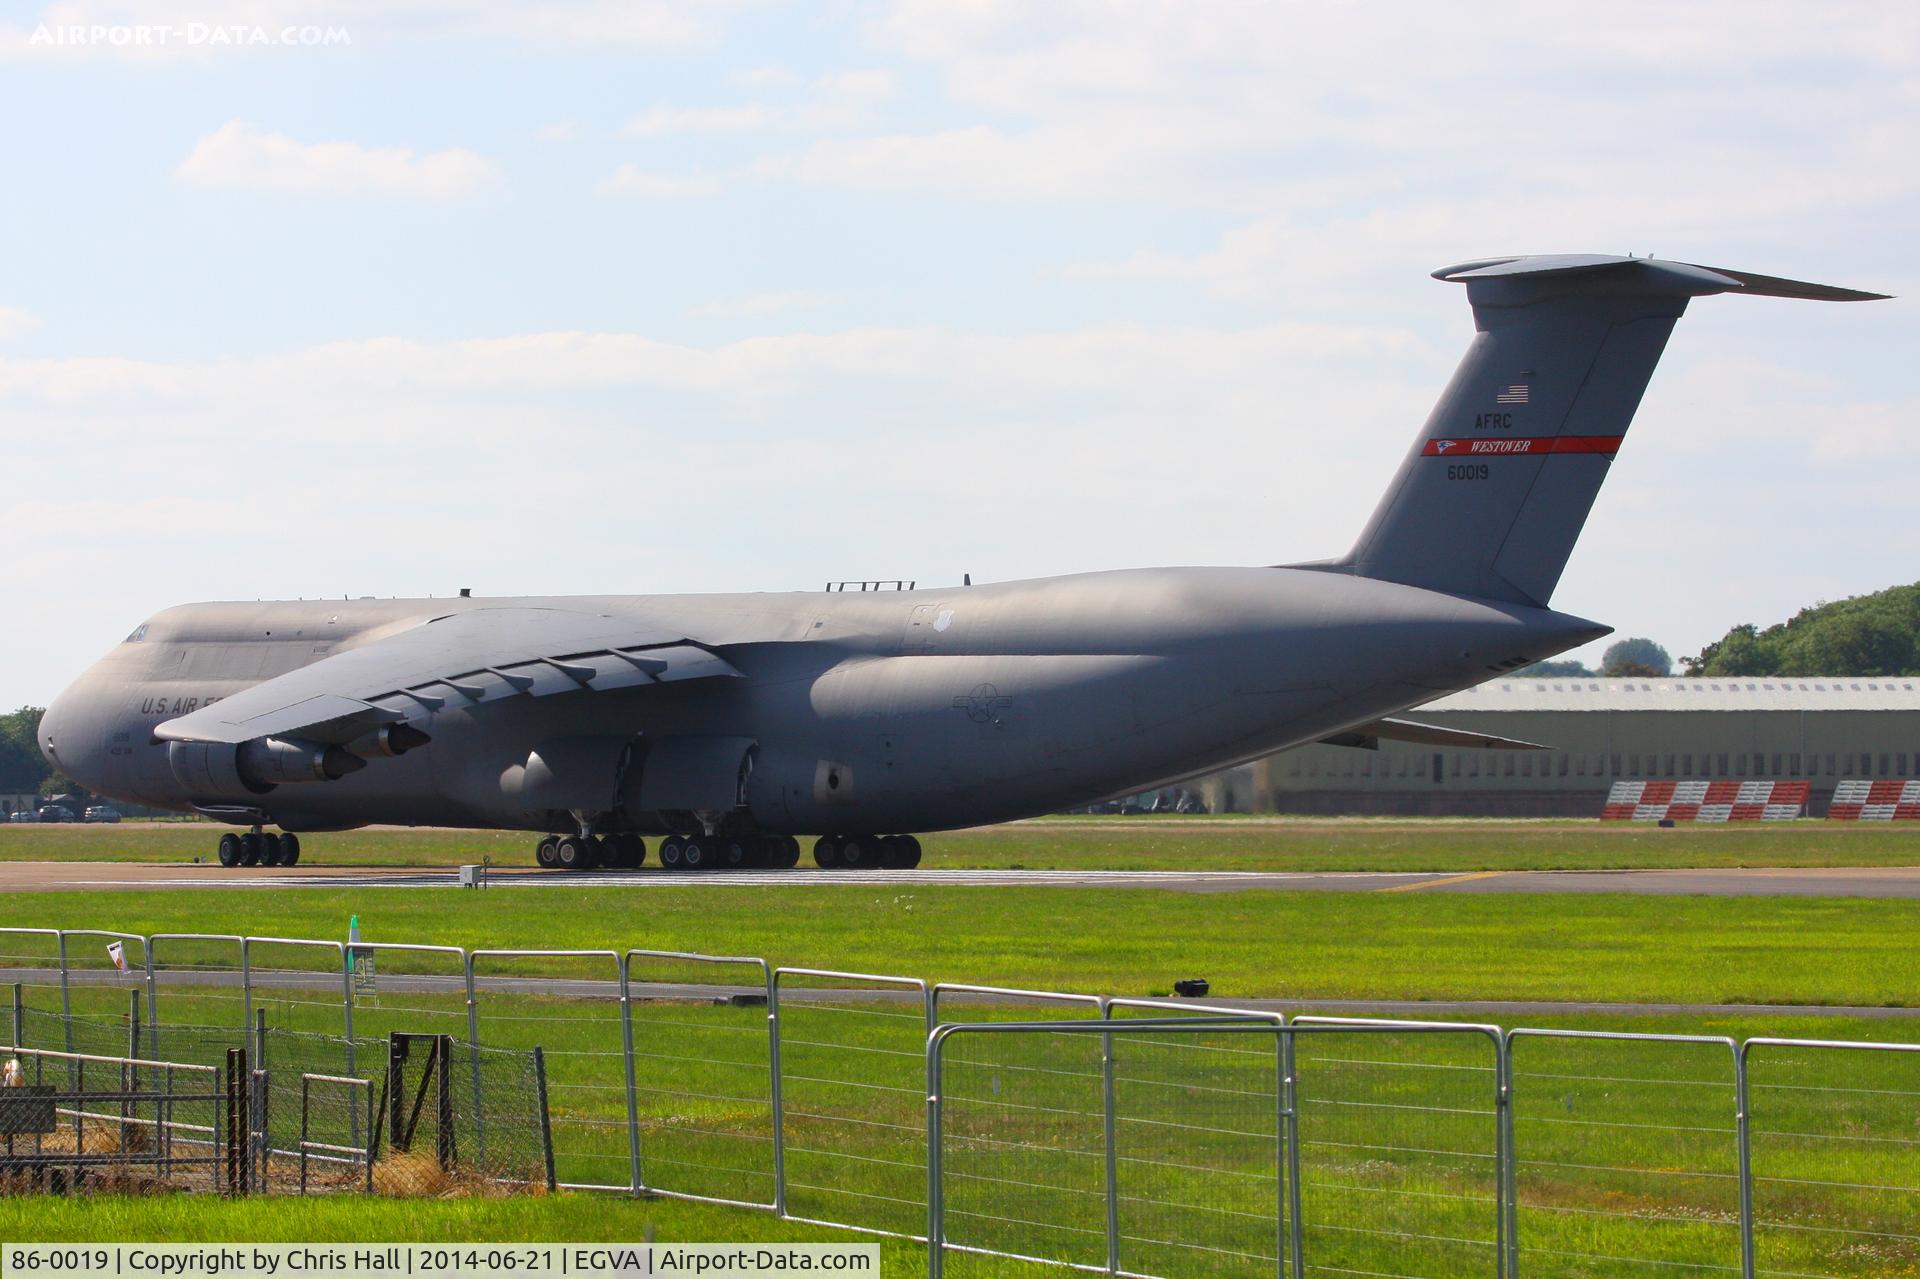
{"points": [[139, 633]]}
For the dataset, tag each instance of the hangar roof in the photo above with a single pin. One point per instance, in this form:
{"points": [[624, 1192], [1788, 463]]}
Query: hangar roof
{"points": [[1744, 693]]}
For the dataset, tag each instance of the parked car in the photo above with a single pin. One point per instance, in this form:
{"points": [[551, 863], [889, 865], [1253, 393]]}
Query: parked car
{"points": [[101, 813], [56, 813], [23, 815]]}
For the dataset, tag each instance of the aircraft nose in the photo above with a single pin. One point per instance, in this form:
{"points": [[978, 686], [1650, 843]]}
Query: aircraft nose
{"points": [[56, 738]]}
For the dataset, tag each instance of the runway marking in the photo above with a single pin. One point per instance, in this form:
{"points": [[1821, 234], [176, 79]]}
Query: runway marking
{"points": [[1441, 883]]}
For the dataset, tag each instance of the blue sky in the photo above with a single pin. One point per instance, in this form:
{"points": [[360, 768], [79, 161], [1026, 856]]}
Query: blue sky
{"points": [[593, 296]]}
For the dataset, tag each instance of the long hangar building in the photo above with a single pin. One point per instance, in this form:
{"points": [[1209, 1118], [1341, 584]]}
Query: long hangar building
{"points": [[1597, 732]]}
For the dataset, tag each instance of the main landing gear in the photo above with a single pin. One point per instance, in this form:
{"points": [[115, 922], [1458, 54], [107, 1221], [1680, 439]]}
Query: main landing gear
{"points": [[864, 852], [259, 848], [591, 852], [728, 852]]}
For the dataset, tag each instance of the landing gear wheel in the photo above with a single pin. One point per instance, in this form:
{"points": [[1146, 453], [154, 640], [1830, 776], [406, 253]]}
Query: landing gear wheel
{"points": [[626, 852], [289, 849], [270, 851], [856, 853], [693, 855], [571, 853], [826, 852], [253, 846], [892, 855], [762, 850], [546, 852], [786, 853], [670, 851], [734, 854], [912, 852], [230, 853]]}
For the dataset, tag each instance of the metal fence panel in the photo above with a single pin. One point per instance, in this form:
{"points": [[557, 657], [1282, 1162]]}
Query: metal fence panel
{"points": [[1400, 1147], [1082, 1214], [703, 1101], [1835, 1133], [1626, 1153], [199, 979], [851, 1074], [570, 1004], [1026, 1168], [1202, 1131]]}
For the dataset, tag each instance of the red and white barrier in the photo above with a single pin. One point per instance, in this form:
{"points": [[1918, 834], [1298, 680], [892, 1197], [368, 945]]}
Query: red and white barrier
{"points": [[1863, 801], [1702, 801]]}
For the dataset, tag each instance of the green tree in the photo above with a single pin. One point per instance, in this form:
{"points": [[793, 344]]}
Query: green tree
{"points": [[1636, 655], [1565, 668], [1876, 634], [22, 767]]}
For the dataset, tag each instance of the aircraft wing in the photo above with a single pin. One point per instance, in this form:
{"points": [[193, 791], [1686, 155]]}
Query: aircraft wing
{"points": [[462, 659], [1368, 737]]}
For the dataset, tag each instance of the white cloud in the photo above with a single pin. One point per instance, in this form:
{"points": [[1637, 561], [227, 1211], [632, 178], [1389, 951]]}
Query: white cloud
{"points": [[15, 322], [663, 121], [241, 155], [759, 305], [631, 179], [560, 131]]}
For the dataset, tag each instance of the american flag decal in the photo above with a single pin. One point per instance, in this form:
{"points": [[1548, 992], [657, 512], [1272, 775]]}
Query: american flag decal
{"points": [[1515, 394]]}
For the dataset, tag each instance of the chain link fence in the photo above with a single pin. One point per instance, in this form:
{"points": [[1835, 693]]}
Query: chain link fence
{"points": [[1140, 1137]]}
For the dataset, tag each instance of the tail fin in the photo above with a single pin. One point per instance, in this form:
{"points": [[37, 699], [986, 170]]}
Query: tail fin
{"points": [[1497, 487]]}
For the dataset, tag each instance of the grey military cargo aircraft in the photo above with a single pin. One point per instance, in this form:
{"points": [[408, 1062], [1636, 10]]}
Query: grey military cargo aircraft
{"points": [[729, 725]]}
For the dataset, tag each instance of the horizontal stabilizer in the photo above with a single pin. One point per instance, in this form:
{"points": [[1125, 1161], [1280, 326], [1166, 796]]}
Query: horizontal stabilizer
{"points": [[1650, 273], [1367, 737]]}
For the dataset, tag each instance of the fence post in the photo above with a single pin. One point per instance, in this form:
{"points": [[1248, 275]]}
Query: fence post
{"points": [[1113, 1162], [774, 1094], [246, 988], [153, 997], [1506, 1158], [1744, 1137], [19, 1015], [546, 1122], [1296, 1238], [626, 1057], [936, 1205], [473, 1055]]}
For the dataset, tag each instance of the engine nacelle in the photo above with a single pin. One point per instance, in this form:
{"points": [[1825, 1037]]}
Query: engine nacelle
{"points": [[387, 741], [271, 761], [211, 769]]}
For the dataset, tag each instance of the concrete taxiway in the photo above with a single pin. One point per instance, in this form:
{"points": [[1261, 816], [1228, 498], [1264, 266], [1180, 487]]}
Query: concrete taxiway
{"points": [[1882, 882]]}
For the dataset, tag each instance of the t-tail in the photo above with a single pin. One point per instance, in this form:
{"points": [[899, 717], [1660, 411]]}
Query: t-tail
{"points": [[1494, 492]]}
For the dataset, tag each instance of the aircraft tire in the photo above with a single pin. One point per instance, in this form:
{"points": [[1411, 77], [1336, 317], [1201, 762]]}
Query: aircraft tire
{"points": [[289, 849], [787, 856], [912, 857], [857, 853], [545, 853], [892, 855], [694, 855], [826, 852], [270, 849], [230, 853], [735, 853], [632, 852], [671, 850], [253, 846], [570, 853]]}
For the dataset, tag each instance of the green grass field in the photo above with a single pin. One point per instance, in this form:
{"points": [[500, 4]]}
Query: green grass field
{"points": [[1626, 1150], [1135, 941], [1133, 843]]}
